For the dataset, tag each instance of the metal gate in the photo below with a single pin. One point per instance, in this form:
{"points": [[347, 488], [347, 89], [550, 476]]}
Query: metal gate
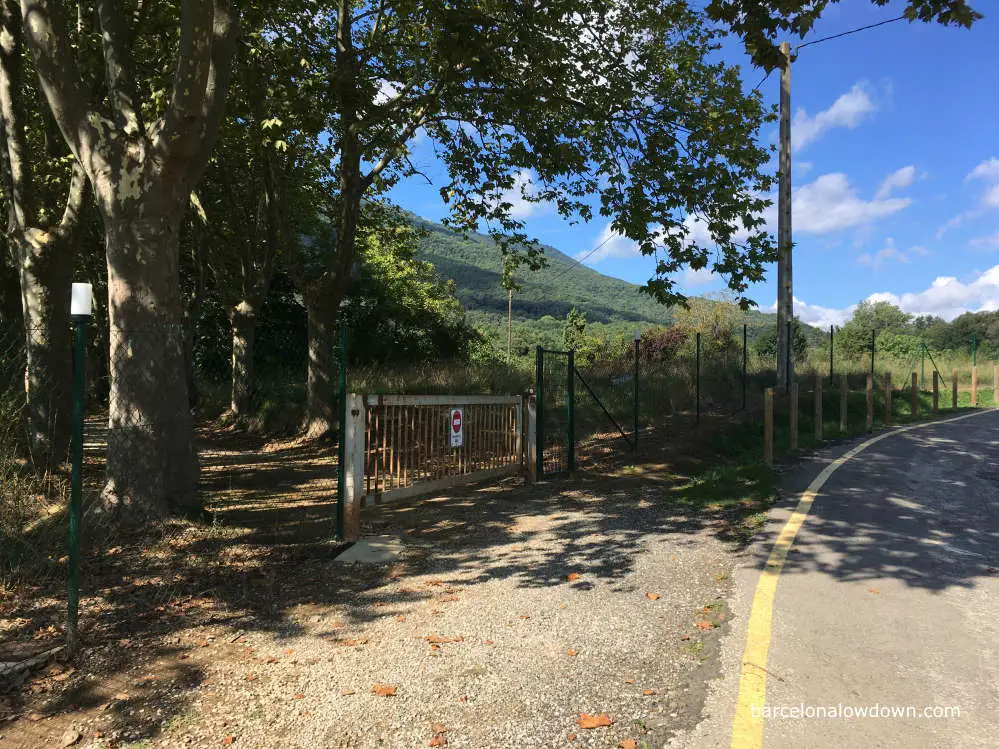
{"points": [[556, 407]]}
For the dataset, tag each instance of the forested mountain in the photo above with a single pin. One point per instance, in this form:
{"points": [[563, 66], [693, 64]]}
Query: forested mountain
{"points": [[475, 265]]}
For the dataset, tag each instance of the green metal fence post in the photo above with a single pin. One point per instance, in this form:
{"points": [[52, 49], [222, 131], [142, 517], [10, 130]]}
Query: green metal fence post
{"points": [[744, 356], [922, 365], [341, 483], [697, 379], [571, 415], [540, 407], [874, 338], [831, 370], [80, 309], [638, 344]]}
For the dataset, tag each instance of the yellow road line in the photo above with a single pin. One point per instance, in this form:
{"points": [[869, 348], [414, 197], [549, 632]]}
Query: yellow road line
{"points": [[747, 727]]}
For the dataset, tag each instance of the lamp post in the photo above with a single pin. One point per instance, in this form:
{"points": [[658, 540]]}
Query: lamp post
{"points": [[638, 343], [81, 304]]}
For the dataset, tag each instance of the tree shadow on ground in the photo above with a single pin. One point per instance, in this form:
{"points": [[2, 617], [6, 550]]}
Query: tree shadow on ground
{"points": [[266, 561], [921, 507]]}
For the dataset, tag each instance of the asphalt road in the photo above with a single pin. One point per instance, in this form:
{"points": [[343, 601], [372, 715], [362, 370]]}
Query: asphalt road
{"points": [[888, 601]]}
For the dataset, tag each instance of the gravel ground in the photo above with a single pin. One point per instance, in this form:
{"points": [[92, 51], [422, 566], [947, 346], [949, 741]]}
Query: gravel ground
{"points": [[527, 648]]}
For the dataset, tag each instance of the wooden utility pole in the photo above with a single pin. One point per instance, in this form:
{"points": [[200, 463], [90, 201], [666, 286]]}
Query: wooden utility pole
{"points": [[509, 323], [785, 288]]}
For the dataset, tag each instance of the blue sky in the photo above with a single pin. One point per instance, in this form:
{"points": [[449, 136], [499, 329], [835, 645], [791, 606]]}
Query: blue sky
{"points": [[896, 173]]}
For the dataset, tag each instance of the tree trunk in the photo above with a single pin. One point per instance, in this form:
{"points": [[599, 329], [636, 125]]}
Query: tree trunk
{"points": [[152, 463], [244, 330], [321, 383], [46, 274]]}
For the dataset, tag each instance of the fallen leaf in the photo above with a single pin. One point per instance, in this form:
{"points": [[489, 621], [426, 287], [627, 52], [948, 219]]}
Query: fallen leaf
{"points": [[70, 737], [463, 698], [648, 692], [594, 721], [348, 692], [570, 652], [251, 677], [434, 646], [438, 740], [290, 651], [873, 590], [628, 744], [487, 642], [434, 582], [121, 696], [440, 639], [571, 737], [437, 727], [351, 642], [448, 599], [35, 717], [400, 618], [629, 681], [524, 616], [271, 659], [572, 576], [652, 596], [299, 696], [704, 624], [685, 637], [383, 690], [228, 740]]}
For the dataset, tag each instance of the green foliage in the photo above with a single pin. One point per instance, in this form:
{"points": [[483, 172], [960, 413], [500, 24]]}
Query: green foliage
{"points": [[765, 346], [854, 338], [761, 22]]}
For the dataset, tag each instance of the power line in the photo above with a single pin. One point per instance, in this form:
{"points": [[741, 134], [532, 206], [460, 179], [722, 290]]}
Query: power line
{"points": [[579, 261], [766, 76], [851, 31]]}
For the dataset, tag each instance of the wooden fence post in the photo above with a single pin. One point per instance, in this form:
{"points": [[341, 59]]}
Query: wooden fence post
{"points": [[793, 416], [936, 392], [974, 386], [354, 454], [531, 448], [888, 399], [995, 385], [953, 387], [818, 406], [768, 426], [843, 395], [870, 402], [914, 397]]}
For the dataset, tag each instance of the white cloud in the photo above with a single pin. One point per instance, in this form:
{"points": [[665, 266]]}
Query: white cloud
{"points": [[830, 204], [700, 277], [896, 180], [515, 196], [609, 244], [890, 252], [946, 297], [990, 241], [847, 111], [803, 167], [987, 170]]}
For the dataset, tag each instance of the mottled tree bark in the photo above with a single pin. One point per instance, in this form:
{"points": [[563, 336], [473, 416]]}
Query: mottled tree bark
{"points": [[152, 463], [243, 319], [322, 374], [142, 178]]}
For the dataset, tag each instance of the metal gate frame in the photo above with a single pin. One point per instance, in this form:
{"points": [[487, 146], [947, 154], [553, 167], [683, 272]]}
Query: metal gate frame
{"points": [[570, 410]]}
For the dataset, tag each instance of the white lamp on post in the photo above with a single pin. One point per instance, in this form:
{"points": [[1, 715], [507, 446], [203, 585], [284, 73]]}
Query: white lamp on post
{"points": [[80, 310]]}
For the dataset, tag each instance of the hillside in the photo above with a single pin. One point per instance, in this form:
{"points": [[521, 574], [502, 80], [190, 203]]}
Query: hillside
{"points": [[475, 265]]}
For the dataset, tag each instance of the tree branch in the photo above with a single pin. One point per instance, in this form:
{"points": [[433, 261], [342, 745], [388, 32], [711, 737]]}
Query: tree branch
{"points": [[174, 135], [75, 198], [17, 175], [120, 75], [225, 31], [58, 75]]}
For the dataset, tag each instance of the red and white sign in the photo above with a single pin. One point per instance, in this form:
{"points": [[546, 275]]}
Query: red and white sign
{"points": [[457, 427]]}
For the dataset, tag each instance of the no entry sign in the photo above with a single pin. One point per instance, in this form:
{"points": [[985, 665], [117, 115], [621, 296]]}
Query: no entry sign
{"points": [[457, 427]]}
